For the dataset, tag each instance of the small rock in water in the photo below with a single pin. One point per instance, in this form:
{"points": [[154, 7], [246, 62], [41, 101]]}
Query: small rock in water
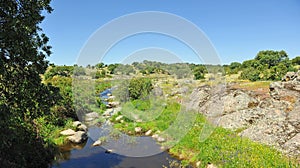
{"points": [[97, 143], [111, 97], [119, 118], [155, 136], [162, 148], [138, 130], [107, 112], [113, 104], [108, 151], [148, 133], [67, 132]]}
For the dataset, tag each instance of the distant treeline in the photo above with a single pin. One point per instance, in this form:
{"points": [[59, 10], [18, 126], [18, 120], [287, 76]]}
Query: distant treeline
{"points": [[267, 65]]}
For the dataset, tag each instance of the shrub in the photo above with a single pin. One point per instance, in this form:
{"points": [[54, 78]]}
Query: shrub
{"points": [[139, 88]]}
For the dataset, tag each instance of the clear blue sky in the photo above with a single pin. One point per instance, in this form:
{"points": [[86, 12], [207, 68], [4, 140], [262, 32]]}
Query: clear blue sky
{"points": [[238, 29]]}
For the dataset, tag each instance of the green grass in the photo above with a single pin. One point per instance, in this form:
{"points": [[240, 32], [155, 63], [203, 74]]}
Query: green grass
{"points": [[50, 132], [159, 123], [223, 148]]}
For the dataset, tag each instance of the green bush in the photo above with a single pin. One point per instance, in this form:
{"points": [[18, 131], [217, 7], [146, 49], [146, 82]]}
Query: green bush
{"points": [[139, 88]]}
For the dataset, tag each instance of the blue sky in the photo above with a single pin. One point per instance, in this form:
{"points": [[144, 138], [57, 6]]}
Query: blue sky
{"points": [[237, 29]]}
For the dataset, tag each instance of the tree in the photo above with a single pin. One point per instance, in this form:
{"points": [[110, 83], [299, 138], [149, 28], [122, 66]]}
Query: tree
{"points": [[234, 68], [251, 74], [199, 72], [270, 57], [23, 98], [112, 67], [250, 63], [267, 65], [139, 88], [65, 71], [100, 65], [296, 60]]}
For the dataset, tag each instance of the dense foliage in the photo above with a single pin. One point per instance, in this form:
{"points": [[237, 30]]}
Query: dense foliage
{"points": [[139, 88], [23, 97], [267, 65]]}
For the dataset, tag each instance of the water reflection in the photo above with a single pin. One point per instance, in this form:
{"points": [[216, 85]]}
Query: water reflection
{"points": [[87, 156]]}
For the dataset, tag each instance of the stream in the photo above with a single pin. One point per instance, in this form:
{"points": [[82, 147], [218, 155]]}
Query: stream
{"points": [[127, 151]]}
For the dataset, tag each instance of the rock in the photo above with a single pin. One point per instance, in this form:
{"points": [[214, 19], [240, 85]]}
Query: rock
{"points": [[97, 143], [161, 139], [238, 100], [162, 148], [109, 151], [184, 90], [289, 76], [242, 118], [76, 123], [108, 94], [89, 119], [272, 119], [198, 164], [82, 127], [108, 112], [78, 137], [138, 130], [210, 165], [111, 97], [273, 129], [148, 133], [119, 118], [275, 88], [292, 146], [199, 97], [67, 132], [92, 115], [113, 104], [155, 136]]}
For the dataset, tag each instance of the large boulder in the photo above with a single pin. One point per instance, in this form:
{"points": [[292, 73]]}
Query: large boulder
{"points": [[67, 132], [78, 137]]}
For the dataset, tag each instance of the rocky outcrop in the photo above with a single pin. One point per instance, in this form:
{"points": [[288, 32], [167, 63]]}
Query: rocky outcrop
{"points": [[273, 120]]}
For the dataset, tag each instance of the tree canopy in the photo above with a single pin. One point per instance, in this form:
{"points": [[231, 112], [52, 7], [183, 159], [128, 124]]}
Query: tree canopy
{"points": [[267, 65], [23, 97]]}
